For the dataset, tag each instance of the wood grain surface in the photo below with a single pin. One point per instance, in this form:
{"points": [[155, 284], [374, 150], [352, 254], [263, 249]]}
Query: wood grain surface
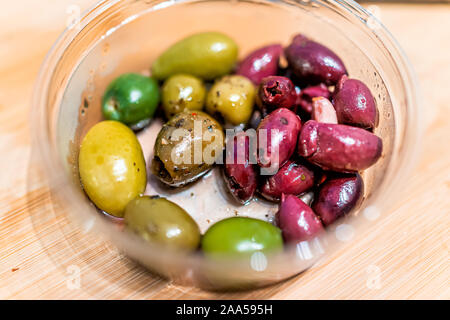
{"points": [[403, 255]]}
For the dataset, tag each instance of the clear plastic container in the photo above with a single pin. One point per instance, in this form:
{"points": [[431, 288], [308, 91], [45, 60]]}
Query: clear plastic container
{"points": [[121, 36]]}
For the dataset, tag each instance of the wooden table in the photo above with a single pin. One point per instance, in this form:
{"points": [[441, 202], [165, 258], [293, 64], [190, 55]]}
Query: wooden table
{"points": [[403, 255]]}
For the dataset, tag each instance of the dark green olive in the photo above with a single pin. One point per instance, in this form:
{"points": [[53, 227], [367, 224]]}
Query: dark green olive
{"points": [[162, 221], [131, 99], [241, 236], [186, 148]]}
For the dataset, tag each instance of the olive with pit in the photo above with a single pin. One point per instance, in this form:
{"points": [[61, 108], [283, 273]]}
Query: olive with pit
{"points": [[111, 166], [207, 55], [186, 148], [131, 99], [232, 98], [162, 221], [182, 91], [241, 236]]}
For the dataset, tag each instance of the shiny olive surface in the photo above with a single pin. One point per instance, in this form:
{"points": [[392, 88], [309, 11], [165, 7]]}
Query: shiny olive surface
{"points": [[162, 221], [232, 98], [207, 55], [131, 98], [111, 166], [180, 92], [186, 148], [241, 236]]}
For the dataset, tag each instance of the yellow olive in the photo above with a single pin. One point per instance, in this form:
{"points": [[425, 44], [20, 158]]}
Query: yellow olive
{"points": [[160, 220], [182, 91], [232, 98], [111, 166]]}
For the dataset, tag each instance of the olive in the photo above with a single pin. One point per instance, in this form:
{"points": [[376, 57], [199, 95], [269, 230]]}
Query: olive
{"points": [[181, 92], [338, 147], [297, 220], [261, 63], [207, 55], [159, 220], [355, 104], [111, 166], [232, 98], [312, 62], [277, 138], [241, 176], [241, 236], [131, 98], [186, 148]]}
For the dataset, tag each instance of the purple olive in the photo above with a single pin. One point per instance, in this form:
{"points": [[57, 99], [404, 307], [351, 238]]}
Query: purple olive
{"points": [[305, 97], [297, 220], [355, 104], [240, 175], [261, 63], [313, 62], [277, 137], [338, 196], [292, 178], [338, 147], [276, 92]]}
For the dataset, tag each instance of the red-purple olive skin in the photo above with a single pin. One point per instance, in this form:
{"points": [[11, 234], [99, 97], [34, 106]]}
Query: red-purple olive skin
{"points": [[313, 62], [305, 97], [240, 175], [281, 129], [276, 92], [297, 220], [338, 147], [292, 178], [355, 104], [337, 197], [261, 63]]}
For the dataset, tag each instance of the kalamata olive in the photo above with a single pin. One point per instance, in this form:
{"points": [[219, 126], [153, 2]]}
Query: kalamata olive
{"points": [[207, 55], [261, 63], [241, 176], [277, 137], [338, 196], [180, 92], [304, 98], [232, 98], [297, 220], [276, 92], [131, 99], [292, 178], [323, 110], [338, 147], [186, 148], [159, 220], [313, 62], [354, 103], [112, 166], [241, 236]]}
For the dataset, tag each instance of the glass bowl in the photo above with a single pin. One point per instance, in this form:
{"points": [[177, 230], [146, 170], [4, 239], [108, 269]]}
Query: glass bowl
{"points": [[122, 36]]}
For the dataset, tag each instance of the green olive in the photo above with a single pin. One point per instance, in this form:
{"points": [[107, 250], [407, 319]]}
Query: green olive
{"points": [[232, 97], [131, 99], [186, 148], [181, 92], [160, 220], [111, 166], [207, 55], [240, 236]]}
